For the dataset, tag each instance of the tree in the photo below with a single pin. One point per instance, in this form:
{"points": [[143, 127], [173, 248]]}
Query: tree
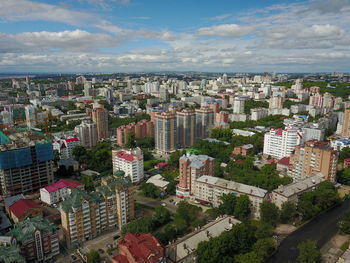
{"points": [[269, 213], [242, 207], [161, 215], [263, 230], [71, 106], [343, 177], [264, 247], [131, 140], [344, 223], [93, 257], [80, 153], [228, 203], [344, 154], [250, 257], [88, 183], [308, 252], [173, 160], [150, 190], [288, 212]]}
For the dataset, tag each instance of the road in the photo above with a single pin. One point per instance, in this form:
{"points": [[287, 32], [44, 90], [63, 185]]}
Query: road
{"points": [[154, 203], [320, 229]]}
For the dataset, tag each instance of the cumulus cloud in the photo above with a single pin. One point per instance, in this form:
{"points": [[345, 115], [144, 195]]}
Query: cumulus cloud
{"points": [[328, 6], [226, 30], [72, 41]]}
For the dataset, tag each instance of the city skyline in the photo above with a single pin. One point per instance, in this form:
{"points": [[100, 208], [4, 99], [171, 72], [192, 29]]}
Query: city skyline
{"points": [[135, 36]]}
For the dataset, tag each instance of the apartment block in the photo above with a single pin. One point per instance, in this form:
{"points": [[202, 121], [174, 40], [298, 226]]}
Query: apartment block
{"points": [[141, 129], [130, 162], [280, 143], [314, 158], [192, 167], [165, 132], [209, 189], [86, 215], [26, 162], [87, 133], [37, 239], [100, 117], [291, 192], [186, 128], [204, 122], [65, 146], [345, 132]]}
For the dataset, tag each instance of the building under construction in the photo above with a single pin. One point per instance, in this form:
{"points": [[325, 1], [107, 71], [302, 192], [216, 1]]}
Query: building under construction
{"points": [[26, 161]]}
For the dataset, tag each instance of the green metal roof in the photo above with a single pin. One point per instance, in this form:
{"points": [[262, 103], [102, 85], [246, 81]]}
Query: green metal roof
{"points": [[24, 230], [119, 173], [11, 254], [75, 199]]}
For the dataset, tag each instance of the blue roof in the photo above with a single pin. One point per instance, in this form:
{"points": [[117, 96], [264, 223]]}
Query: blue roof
{"points": [[345, 141], [304, 116]]}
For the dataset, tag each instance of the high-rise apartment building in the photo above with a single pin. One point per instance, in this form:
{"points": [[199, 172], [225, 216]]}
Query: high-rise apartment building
{"points": [[37, 239], [204, 122], [238, 105], [276, 102], [314, 158], [192, 167], [345, 133], [100, 117], [280, 143], [26, 162], [130, 162], [141, 129], [87, 133], [86, 215], [186, 128], [165, 132]]}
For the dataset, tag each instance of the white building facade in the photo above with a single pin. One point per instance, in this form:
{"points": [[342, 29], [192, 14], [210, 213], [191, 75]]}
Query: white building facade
{"points": [[130, 162]]}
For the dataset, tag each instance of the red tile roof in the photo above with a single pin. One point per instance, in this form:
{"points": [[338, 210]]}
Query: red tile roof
{"points": [[143, 247], [347, 160], [278, 131], [284, 161], [22, 206], [75, 139], [71, 184], [162, 164], [271, 161], [126, 156], [120, 259]]}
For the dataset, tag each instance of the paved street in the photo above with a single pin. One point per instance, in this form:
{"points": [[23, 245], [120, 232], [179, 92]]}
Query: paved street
{"points": [[154, 203], [321, 229]]}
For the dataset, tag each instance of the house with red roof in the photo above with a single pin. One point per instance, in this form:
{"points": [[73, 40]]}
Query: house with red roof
{"points": [[65, 146], [23, 209], [54, 193], [283, 164], [137, 248]]}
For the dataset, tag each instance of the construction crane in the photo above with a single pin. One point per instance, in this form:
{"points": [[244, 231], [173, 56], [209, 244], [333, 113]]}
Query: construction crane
{"points": [[44, 121]]}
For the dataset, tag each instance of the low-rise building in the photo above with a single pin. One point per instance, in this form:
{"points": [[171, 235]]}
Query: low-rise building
{"points": [[23, 209], [183, 250], [340, 144], [158, 181], [209, 189], [37, 239], [291, 192], [243, 150], [54, 193], [137, 248], [65, 146]]}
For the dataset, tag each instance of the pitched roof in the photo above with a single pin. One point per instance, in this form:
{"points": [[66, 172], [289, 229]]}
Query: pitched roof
{"points": [[284, 161], [22, 206], [71, 184], [126, 156], [121, 259], [75, 139], [12, 199], [143, 246]]}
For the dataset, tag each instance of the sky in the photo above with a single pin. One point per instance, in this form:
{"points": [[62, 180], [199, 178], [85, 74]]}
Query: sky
{"points": [[174, 35]]}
